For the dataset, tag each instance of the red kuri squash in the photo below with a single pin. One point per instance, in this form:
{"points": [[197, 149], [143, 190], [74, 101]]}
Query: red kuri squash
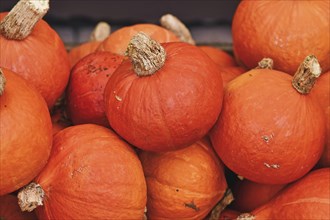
{"points": [[25, 132], [164, 97]]}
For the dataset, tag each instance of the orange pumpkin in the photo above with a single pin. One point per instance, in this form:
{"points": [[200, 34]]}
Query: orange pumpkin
{"points": [[36, 53], [91, 174], [25, 132], [229, 73], [271, 125], [163, 102], [307, 198], [118, 41], [9, 209], [285, 31], [183, 184], [220, 57]]}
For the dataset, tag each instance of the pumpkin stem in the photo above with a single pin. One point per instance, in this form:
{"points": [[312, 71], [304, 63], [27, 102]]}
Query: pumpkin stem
{"points": [[30, 197], [2, 82], [172, 23], [22, 18], [246, 216], [306, 75], [147, 55], [101, 31], [224, 202], [265, 63]]}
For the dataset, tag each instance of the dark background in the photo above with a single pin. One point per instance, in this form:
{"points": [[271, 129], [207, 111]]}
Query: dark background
{"points": [[209, 21]]}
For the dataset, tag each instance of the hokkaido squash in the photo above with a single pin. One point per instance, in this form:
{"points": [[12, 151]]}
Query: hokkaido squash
{"points": [[183, 184], [118, 41], [305, 199], [84, 94], [161, 102], [9, 209], [285, 31], [100, 32], [91, 174], [229, 73], [32, 49], [219, 56], [270, 130], [25, 132]]}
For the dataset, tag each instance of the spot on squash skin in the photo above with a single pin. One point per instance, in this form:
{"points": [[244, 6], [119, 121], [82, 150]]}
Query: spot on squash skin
{"points": [[192, 205], [274, 166], [267, 138], [118, 98]]}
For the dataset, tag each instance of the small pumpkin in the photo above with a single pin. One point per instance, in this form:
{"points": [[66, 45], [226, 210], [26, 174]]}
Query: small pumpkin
{"points": [[267, 117], [9, 209], [91, 174], [118, 41], [25, 132], [100, 32], [305, 199], [84, 94], [32, 49], [183, 184], [228, 73], [282, 30], [165, 97], [219, 56]]}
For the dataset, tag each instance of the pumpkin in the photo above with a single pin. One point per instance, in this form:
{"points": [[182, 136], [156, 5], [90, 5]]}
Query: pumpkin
{"points": [[84, 94], [305, 199], [229, 73], [100, 32], [250, 195], [161, 102], [33, 49], [183, 184], [91, 174], [322, 92], [118, 41], [59, 117], [9, 209], [219, 56], [25, 132], [282, 30], [271, 125]]}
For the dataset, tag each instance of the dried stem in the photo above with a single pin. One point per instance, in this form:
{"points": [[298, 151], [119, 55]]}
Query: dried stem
{"points": [[265, 63], [22, 18], [173, 24], [101, 31], [147, 55], [30, 197], [2, 82], [246, 216], [306, 75], [224, 202]]}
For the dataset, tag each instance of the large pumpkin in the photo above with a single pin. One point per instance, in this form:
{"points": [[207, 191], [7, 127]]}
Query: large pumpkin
{"points": [[118, 41], [183, 184], [9, 209], [270, 131], [25, 132], [306, 199], [33, 49], [91, 174], [285, 31], [84, 94], [163, 102]]}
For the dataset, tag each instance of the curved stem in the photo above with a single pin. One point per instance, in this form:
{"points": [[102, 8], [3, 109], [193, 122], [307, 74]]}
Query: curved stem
{"points": [[2, 82], [306, 75], [265, 63], [147, 55], [30, 197], [101, 31], [224, 202], [22, 18], [173, 24]]}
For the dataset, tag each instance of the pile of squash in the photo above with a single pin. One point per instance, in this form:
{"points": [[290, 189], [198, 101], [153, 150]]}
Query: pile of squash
{"points": [[143, 123]]}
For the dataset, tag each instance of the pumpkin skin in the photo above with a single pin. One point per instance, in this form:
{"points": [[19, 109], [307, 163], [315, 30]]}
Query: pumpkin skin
{"points": [[85, 92], [307, 198], [41, 59], [117, 41], [25, 133], [170, 109], [277, 29], [267, 131], [9, 209], [92, 174], [183, 184], [229, 73], [82, 50], [322, 92], [219, 56]]}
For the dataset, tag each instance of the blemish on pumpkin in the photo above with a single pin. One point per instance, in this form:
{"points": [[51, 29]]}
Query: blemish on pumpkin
{"points": [[267, 138], [192, 205], [274, 166], [177, 190], [118, 98]]}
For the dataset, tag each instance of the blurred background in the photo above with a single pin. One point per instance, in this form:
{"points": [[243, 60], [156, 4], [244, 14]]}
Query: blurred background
{"points": [[209, 21]]}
